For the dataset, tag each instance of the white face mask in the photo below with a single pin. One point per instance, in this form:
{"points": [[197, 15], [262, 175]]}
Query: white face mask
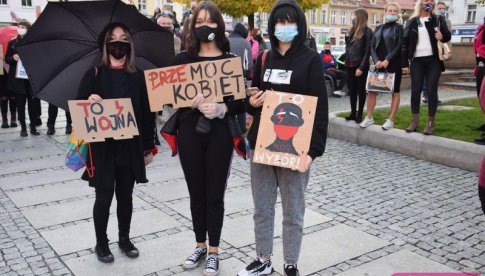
{"points": [[21, 32]]}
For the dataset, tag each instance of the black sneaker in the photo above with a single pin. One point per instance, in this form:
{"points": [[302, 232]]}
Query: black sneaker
{"points": [[257, 268], [5, 124], [291, 270], [351, 117], [103, 253], [128, 248], [212, 265], [51, 131], [13, 124], [194, 259]]}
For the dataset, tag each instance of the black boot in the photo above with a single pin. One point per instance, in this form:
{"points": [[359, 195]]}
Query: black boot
{"points": [[351, 117], [33, 130], [5, 124], [51, 130], [127, 247], [23, 129], [68, 129], [103, 253]]}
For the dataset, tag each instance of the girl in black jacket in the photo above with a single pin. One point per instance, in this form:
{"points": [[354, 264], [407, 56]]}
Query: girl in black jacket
{"points": [[421, 34], [118, 163], [21, 87], [386, 53], [302, 67], [357, 48]]}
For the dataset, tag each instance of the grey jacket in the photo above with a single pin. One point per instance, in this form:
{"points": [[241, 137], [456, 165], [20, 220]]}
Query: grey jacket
{"points": [[242, 48]]}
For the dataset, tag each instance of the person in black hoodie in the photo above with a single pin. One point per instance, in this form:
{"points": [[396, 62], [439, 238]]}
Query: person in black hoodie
{"points": [[117, 164], [420, 51], [287, 31], [357, 48]]}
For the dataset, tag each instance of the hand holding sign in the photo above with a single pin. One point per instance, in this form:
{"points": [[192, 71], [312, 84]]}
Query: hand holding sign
{"points": [[213, 110], [95, 98]]}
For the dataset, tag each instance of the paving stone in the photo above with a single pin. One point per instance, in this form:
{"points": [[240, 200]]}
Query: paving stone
{"points": [[333, 246], [79, 237], [399, 262], [32, 165], [71, 211], [39, 178], [154, 256], [55, 192], [231, 232]]}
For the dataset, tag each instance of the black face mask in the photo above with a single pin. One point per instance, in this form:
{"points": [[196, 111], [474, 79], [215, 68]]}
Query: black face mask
{"points": [[327, 51], [258, 38], [118, 49], [205, 33], [354, 21]]}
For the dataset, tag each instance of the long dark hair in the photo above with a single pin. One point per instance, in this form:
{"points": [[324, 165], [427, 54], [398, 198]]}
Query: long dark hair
{"points": [[106, 36], [361, 17], [193, 43]]}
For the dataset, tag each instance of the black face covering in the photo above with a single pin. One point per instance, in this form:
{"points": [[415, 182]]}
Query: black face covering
{"points": [[118, 49], [205, 33], [258, 38], [327, 51]]}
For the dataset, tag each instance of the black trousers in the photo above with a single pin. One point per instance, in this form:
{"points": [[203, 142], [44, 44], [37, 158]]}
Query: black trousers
{"points": [[206, 159], [337, 75], [479, 78], [357, 90], [5, 103], [425, 68], [33, 108], [53, 110], [123, 183]]}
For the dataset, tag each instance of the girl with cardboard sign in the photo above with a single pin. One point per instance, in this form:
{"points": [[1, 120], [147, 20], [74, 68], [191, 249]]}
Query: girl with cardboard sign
{"points": [[299, 71]]}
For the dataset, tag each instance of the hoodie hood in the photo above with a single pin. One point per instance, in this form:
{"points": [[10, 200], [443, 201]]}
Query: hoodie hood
{"points": [[240, 30], [299, 40]]}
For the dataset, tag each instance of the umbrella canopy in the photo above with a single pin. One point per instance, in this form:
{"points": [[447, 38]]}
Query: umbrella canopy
{"points": [[62, 45]]}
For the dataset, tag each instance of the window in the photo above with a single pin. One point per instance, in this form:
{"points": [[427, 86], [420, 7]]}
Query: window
{"points": [[25, 3], [323, 16], [471, 14], [265, 16], [333, 19], [142, 6], [313, 16], [344, 18], [3, 2], [467, 39], [374, 19]]}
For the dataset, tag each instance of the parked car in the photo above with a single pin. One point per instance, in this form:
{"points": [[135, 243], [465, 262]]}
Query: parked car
{"points": [[337, 50]]}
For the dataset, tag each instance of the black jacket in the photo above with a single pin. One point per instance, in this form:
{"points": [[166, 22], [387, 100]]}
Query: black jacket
{"points": [[411, 35], [306, 79], [392, 39], [102, 152], [358, 51], [19, 86]]}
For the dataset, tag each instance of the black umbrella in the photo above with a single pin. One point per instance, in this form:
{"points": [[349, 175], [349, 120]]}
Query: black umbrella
{"points": [[62, 45]]}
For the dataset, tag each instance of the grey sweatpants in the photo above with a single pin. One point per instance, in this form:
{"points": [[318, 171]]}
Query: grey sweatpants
{"points": [[265, 181]]}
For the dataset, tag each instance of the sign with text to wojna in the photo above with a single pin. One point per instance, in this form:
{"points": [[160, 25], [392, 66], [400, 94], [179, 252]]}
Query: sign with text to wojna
{"points": [[285, 130], [178, 85], [94, 122]]}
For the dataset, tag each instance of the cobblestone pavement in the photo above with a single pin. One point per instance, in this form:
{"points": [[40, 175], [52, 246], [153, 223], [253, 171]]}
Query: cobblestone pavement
{"points": [[369, 212]]}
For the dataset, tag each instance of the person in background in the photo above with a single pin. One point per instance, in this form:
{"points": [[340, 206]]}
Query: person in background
{"points": [[156, 14], [358, 43], [421, 59], [7, 100], [479, 47], [441, 6], [287, 32], [118, 163], [165, 21], [386, 53], [329, 64], [51, 121], [21, 87], [310, 41], [256, 41]]}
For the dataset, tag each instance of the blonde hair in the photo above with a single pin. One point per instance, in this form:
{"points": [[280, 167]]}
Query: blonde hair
{"points": [[395, 4], [130, 59], [418, 7]]}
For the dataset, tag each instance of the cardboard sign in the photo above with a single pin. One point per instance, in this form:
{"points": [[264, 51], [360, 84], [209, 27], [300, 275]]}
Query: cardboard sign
{"points": [[285, 130], [94, 122], [21, 73], [178, 85]]}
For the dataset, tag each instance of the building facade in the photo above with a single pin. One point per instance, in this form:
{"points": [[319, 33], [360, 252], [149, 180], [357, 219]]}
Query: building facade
{"points": [[13, 10], [465, 16]]}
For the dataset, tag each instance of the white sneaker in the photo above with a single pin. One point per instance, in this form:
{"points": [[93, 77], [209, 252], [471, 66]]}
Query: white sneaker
{"points": [[339, 92], [367, 122], [388, 124]]}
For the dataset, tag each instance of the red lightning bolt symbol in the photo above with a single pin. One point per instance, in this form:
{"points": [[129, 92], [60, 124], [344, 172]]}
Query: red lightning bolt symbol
{"points": [[118, 107], [279, 116]]}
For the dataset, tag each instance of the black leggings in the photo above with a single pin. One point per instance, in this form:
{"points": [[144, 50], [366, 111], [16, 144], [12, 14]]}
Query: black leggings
{"points": [[33, 108], [5, 103], [123, 183], [356, 89], [425, 68], [206, 159], [53, 110], [337, 75]]}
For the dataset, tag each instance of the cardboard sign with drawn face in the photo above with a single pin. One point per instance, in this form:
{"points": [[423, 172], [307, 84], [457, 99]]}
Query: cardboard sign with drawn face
{"points": [[110, 118], [285, 129]]}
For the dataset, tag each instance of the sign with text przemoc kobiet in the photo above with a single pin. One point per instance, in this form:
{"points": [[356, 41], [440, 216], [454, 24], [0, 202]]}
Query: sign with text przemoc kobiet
{"points": [[178, 85], [285, 130], [110, 118]]}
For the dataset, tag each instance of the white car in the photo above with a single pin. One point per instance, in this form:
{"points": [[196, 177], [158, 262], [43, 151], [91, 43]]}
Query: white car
{"points": [[337, 50]]}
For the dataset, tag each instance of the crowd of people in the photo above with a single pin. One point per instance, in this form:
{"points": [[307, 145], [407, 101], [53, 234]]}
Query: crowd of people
{"points": [[205, 135]]}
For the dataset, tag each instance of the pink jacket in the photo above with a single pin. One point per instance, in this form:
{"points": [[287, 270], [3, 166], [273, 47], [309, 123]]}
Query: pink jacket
{"points": [[254, 46]]}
